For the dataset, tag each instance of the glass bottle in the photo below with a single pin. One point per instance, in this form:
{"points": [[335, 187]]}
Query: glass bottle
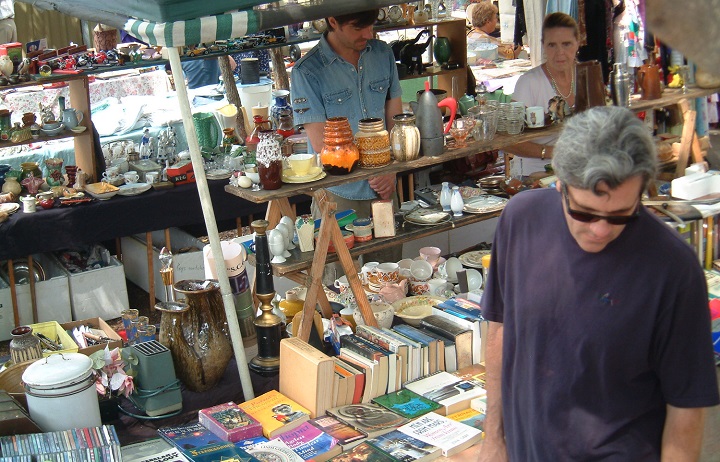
{"points": [[405, 138], [456, 202], [24, 346], [445, 196], [269, 160]]}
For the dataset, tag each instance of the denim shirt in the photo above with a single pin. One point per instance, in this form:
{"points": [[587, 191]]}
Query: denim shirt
{"points": [[325, 85]]}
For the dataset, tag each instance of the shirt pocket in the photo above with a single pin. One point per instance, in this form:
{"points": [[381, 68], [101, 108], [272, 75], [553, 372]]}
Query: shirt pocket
{"points": [[336, 102], [380, 86]]}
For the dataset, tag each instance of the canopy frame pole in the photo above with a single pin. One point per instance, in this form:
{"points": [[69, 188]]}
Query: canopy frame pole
{"points": [[210, 223]]}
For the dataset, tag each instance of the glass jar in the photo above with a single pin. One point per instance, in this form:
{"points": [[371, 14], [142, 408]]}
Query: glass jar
{"points": [[373, 142], [340, 155], [269, 160], [405, 138], [24, 346]]}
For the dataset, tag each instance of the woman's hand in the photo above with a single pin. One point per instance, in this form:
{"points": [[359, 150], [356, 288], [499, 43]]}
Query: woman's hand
{"points": [[383, 185]]}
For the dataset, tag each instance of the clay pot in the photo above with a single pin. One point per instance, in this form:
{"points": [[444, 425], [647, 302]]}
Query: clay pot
{"points": [[340, 155]]}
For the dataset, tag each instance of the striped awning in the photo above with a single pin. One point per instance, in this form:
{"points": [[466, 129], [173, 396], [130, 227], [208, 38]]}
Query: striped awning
{"points": [[201, 30]]}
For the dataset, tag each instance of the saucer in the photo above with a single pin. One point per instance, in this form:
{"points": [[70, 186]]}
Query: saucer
{"points": [[312, 173], [528, 127], [9, 207], [133, 189], [218, 174], [288, 177]]}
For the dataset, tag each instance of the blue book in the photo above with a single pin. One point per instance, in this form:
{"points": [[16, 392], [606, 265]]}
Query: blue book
{"points": [[433, 346], [309, 442]]}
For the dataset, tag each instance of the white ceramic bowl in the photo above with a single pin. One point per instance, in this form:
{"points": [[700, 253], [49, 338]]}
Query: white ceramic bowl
{"points": [[452, 266], [413, 309], [384, 313], [474, 278]]}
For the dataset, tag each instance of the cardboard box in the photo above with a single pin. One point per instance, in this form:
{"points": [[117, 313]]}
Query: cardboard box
{"points": [[187, 258], [181, 173], [95, 323], [99, 293], [54, 332], [52, 297]]}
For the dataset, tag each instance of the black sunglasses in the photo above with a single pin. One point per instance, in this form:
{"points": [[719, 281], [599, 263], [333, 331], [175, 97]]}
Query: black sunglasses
{"points": [[586, 217]]}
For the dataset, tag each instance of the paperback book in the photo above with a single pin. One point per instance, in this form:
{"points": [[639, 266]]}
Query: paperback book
{"points": [[309, 442], [405, 448], [346, 436], [406, 403], [276, 413], [451, 436], [368, 418], [189, 436], [274, 451], [364, 452], [451, 392], [469, 417], [229, 422]]}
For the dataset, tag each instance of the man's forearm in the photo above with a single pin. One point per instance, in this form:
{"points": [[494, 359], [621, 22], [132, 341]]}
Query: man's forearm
{"points": [[682, 434]]}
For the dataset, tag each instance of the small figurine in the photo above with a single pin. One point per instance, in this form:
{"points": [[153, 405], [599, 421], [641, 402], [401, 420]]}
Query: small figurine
{"points": [[145, 144], [24, 67]]}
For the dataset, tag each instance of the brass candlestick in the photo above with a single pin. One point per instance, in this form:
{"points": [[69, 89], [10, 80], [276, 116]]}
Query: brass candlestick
{"points": [[268, 325]]}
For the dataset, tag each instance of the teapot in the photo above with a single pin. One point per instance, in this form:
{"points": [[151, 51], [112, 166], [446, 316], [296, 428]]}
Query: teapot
{"points": [[393, 292], [649, 81], [429, 121]]}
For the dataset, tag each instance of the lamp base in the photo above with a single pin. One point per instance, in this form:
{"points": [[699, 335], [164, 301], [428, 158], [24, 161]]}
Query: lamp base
{"points": [[267, 367]]}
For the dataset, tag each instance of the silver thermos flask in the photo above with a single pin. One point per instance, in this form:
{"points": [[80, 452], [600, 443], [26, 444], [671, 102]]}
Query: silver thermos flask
{"points": [[620, 85]]}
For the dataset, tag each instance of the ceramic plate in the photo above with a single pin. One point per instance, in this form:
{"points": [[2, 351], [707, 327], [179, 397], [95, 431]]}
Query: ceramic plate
{"points": [[427, 217], [310, 175], [294, 179], [484, 204], [413, 309], [9, 207], [133, 189], [473, 259]]}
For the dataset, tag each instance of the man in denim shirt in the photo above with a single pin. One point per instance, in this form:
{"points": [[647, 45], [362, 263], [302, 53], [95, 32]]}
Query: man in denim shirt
{"points": [[348, 74]]}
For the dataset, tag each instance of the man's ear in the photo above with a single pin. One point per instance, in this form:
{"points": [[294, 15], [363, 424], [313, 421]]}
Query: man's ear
{"points": [[332, 22]]}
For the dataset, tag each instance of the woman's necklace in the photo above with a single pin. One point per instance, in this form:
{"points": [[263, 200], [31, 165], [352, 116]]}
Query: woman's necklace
{"points": [[557, 88]]}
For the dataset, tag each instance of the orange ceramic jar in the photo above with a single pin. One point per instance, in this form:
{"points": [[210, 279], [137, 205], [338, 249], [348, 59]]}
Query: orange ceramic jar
{"points": [[340, 154]]}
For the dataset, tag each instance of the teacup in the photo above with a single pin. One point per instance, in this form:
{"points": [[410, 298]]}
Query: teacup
{"points": [[474, 279], [369, 274], [535, 116], [404, 267], [387, 273], [342, 284], [438, 286], [131, 176], [419, 287], [151, 177], [421, 270], [361, 228], [301, 163], [111, 174], [347, 315], [430, 255]]}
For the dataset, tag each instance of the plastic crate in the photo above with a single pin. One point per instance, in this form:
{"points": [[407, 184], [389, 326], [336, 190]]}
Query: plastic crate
{"points": [[57, 334]]}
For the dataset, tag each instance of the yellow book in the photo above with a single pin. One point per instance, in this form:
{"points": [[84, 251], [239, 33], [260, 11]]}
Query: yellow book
{"points": [[276, 413]]}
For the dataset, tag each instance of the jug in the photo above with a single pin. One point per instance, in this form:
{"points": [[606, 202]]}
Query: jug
{"points": [[590, 86], [649, 81], [71, 118], [430, 122], [207, 130]]}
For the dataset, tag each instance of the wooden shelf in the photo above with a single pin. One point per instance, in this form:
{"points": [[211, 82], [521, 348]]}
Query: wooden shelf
{"points": [[669, 97], [299, 261]]}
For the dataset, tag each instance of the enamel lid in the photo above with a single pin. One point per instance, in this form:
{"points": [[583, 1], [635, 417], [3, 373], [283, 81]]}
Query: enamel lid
{"points": [[57, 370]]}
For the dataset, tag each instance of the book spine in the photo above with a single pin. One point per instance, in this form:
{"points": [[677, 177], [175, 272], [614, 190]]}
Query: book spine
{"points": [[358, 345]]}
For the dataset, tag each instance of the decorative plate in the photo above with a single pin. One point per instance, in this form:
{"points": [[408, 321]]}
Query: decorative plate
{"points": [[102, 190], [473, 259], [427, 217], [413, 309], [9, 207], [133, 189], [484, 204], [289, 178], [218, 174]]}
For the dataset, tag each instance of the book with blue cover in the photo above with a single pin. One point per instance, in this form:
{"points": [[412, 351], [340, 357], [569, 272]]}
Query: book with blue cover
{"points": [[406, 403], [309, 442]]}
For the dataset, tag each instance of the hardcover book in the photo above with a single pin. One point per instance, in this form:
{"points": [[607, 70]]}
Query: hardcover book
{"points": [[406, 403], [451, 436], [274, 451], [224, 451], [449, 329], [346, 436], [368, 418], [364, 452], [474, 373], [405, 448], [276, 413], [448, 390], [315, 390], [229, 422], [309, 442]]}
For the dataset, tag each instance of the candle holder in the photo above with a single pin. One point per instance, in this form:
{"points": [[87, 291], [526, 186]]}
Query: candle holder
{"points": [[267, 325]]}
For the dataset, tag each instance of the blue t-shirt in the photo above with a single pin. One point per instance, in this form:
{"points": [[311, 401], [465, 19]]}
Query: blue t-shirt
{"points": [[595, 345], [201, 72], [325, 85]]}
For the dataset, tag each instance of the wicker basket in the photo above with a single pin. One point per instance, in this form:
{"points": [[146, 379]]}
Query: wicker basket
{"points": [[11, 378]]}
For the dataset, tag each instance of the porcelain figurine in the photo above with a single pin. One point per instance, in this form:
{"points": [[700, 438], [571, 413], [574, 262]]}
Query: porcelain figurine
{"points": [[6, 65]]}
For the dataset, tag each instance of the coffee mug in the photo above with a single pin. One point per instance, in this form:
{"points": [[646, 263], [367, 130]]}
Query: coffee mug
{"points": [[387, 272], [342, 284], [369, 272], [151, 177], [419, 287], [438, 286], [131, 176], [535, 116]]}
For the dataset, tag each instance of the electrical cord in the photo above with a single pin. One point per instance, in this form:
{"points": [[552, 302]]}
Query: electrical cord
{"points": [[144, 394]]}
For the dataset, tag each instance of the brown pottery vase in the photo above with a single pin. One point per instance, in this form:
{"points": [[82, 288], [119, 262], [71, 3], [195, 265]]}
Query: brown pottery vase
{"points": [[340, 155]]}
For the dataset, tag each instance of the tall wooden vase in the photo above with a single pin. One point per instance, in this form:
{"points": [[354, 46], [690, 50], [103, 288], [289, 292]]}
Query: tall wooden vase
{"points": [[198, 336]]}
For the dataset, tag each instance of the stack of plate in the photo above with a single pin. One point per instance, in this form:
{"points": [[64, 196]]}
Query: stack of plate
{"points": [[484, 204], [473, 259], [493, 184]]}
